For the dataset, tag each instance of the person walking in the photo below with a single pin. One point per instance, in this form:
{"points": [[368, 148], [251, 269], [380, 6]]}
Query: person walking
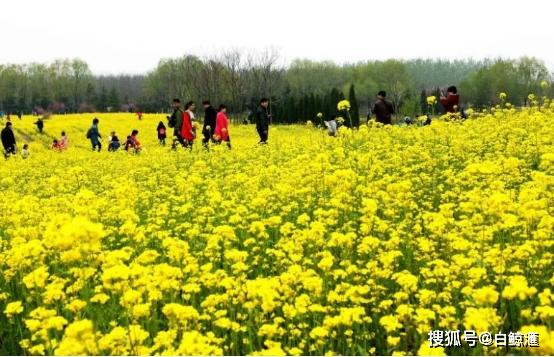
{"points": [[161, 130], [8, 140], [383, 109], [94, 135], [208, 130], [176, 122], [40, 125], [222, 126], [188, 132], [262, 121]]}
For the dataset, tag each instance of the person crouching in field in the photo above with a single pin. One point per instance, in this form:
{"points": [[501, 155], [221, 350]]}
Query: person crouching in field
{"points": [[222, 126], [56, 145], [133, 142], [64, 141], [451, 101], [8, 140], [161, 130], [113, 142], [208, 130], [332, 125], [25, 152], [94, 135]]}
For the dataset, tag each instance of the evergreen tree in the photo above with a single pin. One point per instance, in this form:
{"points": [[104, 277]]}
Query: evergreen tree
{"points": [[102, 99], [423, 102], [354, 108], [113, 100]]}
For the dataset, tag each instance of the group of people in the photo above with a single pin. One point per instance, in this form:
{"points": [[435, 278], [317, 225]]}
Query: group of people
{"points": [[132, 142], [215, 129], [216, 124], [62, 144], [383, 109]]}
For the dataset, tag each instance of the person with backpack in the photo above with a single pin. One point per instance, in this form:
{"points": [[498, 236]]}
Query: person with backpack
{"points": [[208, 129], [94, 135], [161, 130], [262, 121], [222, 127], [383, 109], [176, 122], [188, 131], [8, 140]]}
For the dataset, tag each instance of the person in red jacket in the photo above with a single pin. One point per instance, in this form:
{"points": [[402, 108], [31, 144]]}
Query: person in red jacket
{"points": [[451, 101], [188, 132], [222, 126]]}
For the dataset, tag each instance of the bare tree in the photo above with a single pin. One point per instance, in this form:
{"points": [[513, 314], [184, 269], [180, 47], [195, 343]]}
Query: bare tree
{"points": [[266, 72], [235, 78]]}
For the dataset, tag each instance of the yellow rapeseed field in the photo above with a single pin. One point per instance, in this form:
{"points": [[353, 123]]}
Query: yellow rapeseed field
{"points": [[359, 244]]}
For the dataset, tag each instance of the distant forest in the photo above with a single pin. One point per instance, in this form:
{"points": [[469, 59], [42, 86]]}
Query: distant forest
{"points": [[298, 91]]}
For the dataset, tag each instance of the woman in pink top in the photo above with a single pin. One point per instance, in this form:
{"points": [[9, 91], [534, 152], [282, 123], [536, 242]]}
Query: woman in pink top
{"points": [[222, 126]]}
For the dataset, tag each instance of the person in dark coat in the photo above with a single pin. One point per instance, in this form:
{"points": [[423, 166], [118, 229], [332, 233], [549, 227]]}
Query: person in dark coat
{"points": [[451, 101], [94, 135], [262, 121], [177, 120], [208, 129], [162, 133], [383, 109], [8, 140], [40, 125]]}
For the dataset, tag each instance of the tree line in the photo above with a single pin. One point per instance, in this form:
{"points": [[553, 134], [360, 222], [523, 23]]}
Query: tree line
{"points": [[298, 91]]}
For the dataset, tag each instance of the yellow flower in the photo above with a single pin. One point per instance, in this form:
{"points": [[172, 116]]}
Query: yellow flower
{"points": [[13, 308], [518, 288], [486, 295], [426, 350], [390, 323], [343, 105], [431, 100]]}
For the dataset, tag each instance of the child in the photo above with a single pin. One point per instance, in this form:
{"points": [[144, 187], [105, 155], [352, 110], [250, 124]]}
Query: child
{"points": [[56, 145], [25, 152], [136, 143], [64, 141], [133, 142], [114, 143], [161, 133]]}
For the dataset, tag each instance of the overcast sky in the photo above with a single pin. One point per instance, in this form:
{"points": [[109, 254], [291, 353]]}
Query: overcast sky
{"points": [[130, 37]]}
